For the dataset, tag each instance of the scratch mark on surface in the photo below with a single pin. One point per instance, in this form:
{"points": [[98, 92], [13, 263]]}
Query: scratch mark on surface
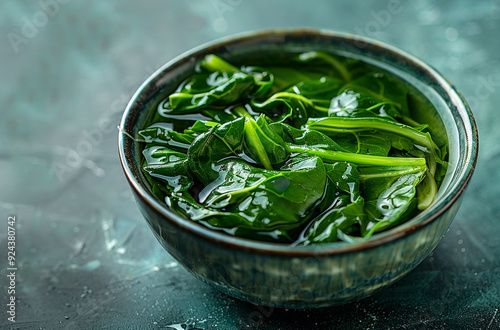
{"points": [[493, 318], [179, 326], [109, 232], [79, 247], [122, 244]]}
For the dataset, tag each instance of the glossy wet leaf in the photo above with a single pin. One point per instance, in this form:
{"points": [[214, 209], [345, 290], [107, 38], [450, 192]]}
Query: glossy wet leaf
{"points": [[284, 107], [166, 137], [312, 148], [305, 137], [219, 85], [169, 167], [263, 144], [257, 199], [389, 193], [380, 93], [346, 210], [220, 142]]}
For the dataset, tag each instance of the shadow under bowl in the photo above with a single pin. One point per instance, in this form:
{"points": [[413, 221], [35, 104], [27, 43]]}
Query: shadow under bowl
{"points": [[318, 275]]}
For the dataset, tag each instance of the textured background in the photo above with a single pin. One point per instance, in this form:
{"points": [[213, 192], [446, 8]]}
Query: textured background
{"points": [[85, 256]]}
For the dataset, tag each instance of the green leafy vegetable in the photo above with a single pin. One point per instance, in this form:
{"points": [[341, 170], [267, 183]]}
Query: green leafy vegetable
{"points": [[221, 84], [264, 145], [309, 148], [346, 210]]}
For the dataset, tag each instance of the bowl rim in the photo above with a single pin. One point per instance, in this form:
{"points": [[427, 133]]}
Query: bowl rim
{"points": [[326, 249]]}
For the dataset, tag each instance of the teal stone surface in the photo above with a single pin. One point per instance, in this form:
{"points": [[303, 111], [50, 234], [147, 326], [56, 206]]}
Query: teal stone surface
{"points": [[85, 257]]}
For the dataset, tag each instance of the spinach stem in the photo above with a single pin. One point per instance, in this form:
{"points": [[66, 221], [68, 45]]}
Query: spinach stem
{"points": [[304, 99], [336, 124], [251, 136], [292, 95], [242, 112], [426, 192], [378, 105], [215, 63], [409, 121], [408, 170], [358, 159], [346, 76]]}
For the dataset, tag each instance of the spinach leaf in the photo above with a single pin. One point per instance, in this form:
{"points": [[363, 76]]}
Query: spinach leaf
{"points": [[284, 107], [219, 115], [158, 135], [166, 137], [285, 77], [346, 210], [295, 105], [389, 193], [320, 91], [256, 199], [403, 138], [324, 62], [199, 127], [378, 91], [220, 142], [245, 138], [183, 203], [229, 88], [169, 167], [313, 149], [263, 144], [305, 137], [353, 104], [399, 133], [223, 86], [266, 197]]}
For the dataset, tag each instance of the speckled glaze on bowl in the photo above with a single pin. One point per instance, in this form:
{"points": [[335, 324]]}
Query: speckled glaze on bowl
{"points": [[312, 276]]}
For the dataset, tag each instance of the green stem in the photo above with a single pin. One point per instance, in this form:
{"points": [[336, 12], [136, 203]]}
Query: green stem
{"points": [[346, 76], [339, 67], [215, 63], [409, 121], [336, 124], [353, 86], [378, 105], [242, 112], [251, 136], [291, 95], [409, 170], [426, 192], [304, 99], [358, 159]]}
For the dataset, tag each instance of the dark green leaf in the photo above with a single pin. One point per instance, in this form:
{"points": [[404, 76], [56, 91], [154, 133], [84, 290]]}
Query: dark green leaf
{"points": [[166, 137], [345, 212], [305, 137], [376, 90], [284, 107], [220, 142], [219, 88], [257, 201], [169, 167], [264, 145], [389, 193]]}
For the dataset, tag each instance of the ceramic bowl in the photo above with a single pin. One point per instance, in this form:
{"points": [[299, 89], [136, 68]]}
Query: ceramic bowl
{"points": [[311, 276]]}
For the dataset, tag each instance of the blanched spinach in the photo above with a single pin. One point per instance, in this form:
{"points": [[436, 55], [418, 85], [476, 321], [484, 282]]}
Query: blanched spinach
{"points": [[345, 213], [257, 200], [218, 84], [311, 149]]}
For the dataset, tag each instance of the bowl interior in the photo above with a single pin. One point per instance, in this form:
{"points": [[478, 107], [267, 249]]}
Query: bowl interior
{"points": [[451, 114]]}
